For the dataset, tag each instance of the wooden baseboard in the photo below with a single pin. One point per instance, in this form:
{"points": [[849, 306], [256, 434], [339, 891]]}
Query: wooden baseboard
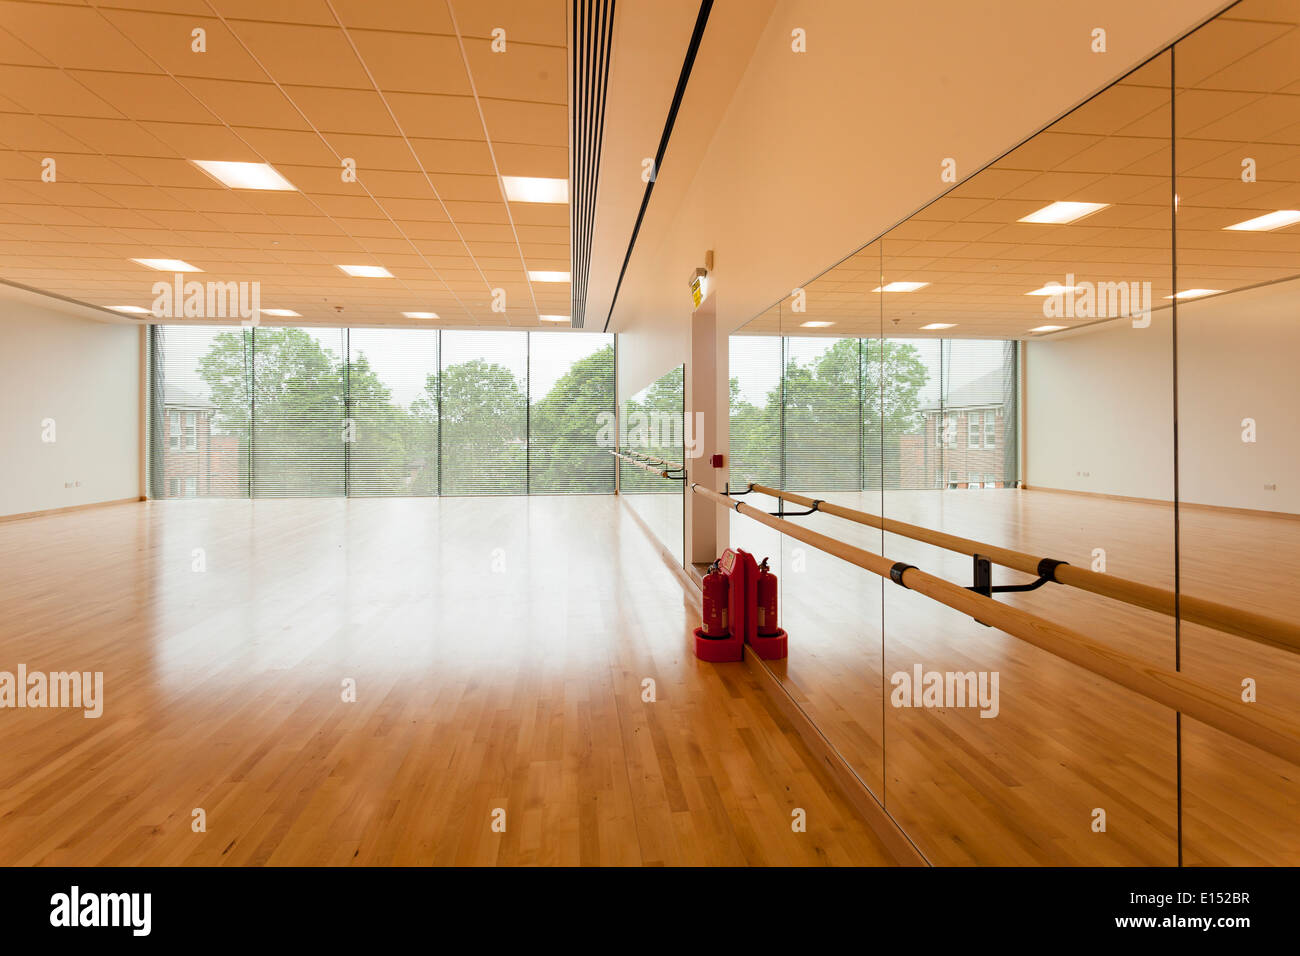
{"points": [[885, 827], [846, 781], [668, 557], [21, 516], [1191, 505]]}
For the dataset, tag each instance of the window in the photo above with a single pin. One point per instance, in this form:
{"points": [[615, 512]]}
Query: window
{"points": [[991, 428], [973, 482], [379, 411], [191, 487], [952, 479], [974, 428]]}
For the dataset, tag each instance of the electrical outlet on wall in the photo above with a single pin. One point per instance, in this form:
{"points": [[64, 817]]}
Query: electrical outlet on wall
{"points": [[1270, 487]]}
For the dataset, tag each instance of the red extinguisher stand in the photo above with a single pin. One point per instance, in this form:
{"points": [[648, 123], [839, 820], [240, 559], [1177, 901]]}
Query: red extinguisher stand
{"points": [[738, 569]]}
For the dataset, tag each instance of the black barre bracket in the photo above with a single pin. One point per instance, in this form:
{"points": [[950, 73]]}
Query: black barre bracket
{"points": [[726, 490], [780, 511], [983, 577]]}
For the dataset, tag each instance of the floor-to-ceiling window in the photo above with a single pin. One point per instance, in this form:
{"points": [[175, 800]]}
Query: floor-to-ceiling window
{"points": [[297, 412]]}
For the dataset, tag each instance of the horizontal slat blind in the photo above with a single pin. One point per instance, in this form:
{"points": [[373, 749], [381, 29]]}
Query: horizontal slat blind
{"points": [[481, 388], [201, 384], [393, 404], [571, 390], [823, 414], [653, 425], [755, 424]]}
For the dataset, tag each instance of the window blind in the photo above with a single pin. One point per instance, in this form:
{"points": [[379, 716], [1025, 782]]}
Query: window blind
{"points": [[571, 398], [481, 393]]}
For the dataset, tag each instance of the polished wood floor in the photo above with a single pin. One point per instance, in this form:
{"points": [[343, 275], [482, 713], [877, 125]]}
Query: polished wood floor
{"points": [[498, 647], [1022, 788]]}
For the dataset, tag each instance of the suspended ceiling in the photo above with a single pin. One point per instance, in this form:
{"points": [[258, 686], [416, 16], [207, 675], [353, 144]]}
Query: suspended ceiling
{"points": [[409, 89]]}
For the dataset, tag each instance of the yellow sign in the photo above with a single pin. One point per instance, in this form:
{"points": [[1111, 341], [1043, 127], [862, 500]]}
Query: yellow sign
{"points": [[697, 291]]}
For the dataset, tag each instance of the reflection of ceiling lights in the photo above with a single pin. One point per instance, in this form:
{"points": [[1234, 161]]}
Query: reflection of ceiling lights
{"points": [[367, 272], [1059, 213], [420, 315], [168, 265], [900, 287], [535, 189], [1274, 220], [281, 313], [541, 275], [1048, 328], [554, 318], [244, 175], [1053, 288], [129, 309], [935, 326], [815, 325], [1193, 293]]}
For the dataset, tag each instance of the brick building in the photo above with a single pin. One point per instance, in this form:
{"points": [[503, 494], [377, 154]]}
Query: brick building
{"points": [[197, 460], [965, 442]]}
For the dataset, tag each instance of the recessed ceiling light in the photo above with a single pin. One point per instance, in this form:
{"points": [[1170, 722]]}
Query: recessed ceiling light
{"points": [[1048, 328], [1060, 213], [815, 325], [420, 315], [1274, 220], [1193, 293], [1053, 288], [244, 175], [900, 287], [933, 326], [168, 265], [132, 309], [535, 189], [282, 313], [541, 275], [554, 318], [367, 272]]}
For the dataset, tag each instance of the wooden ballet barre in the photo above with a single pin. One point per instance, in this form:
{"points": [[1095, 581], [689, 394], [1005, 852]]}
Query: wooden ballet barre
{"points": [[1255, 627], [650, 460], [644, 467], [1253, 723]]}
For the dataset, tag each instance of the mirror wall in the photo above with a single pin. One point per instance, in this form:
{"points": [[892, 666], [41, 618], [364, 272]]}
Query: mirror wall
{"points": [[1082, 353], [651, 424]]}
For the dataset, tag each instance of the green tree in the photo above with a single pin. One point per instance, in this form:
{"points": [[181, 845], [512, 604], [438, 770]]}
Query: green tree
{"points": [[564, 425]]}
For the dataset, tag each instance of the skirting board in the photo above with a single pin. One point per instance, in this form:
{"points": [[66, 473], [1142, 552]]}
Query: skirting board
{"points": [[1191, 505], [58, 511], [846, 781]]}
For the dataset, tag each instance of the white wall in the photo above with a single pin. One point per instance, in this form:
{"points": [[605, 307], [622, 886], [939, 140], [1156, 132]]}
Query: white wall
{"points": [[1101, 403], [84, 375]]}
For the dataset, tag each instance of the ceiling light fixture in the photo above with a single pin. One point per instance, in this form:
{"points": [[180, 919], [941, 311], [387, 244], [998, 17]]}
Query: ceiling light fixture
{"points": [[1054, 288], [900, 287], [935, 326], [1060, 213], [554, 318], [367, 272], [1193, 293], [1048, 328], [535, 189], [815, 325], [244, 175], [1273, 220], [168, 265], [130, 309], [420, 315], [542, 275], [282, 313]]}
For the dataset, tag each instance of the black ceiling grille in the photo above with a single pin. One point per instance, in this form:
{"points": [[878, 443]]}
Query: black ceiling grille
{"points": [[593, 31]]}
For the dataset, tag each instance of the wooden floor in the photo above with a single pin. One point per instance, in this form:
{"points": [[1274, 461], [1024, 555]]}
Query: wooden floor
{"points": [[498, 647], [1022, 788]]}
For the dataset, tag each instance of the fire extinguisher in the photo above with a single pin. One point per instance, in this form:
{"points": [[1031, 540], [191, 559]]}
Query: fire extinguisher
{"points": [[715, 603], [766, 588]]}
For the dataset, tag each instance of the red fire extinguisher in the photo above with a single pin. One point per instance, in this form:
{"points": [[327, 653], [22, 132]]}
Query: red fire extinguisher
{"points": [[766, 588], [716, 588]]}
